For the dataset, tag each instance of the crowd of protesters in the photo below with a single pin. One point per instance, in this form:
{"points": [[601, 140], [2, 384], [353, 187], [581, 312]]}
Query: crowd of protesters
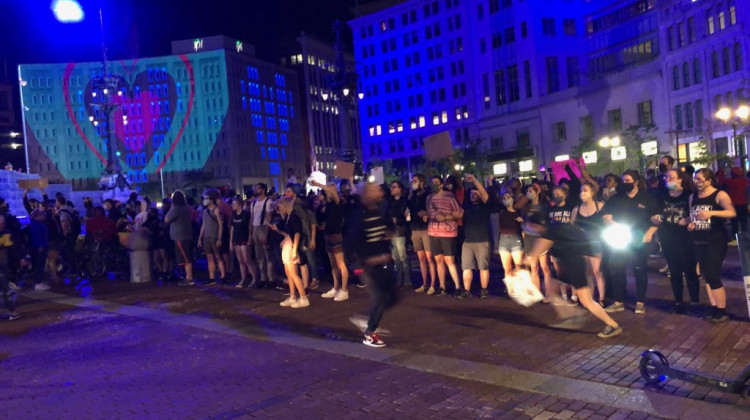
{"points": [[296, 241]]}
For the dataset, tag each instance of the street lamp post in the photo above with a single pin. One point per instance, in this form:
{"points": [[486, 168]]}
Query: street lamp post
{"points": [[736, 117]]}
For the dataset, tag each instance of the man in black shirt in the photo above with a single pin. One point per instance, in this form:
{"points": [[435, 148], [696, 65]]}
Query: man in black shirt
{"points": [[418, 224], [374, 256], [475, 252]]}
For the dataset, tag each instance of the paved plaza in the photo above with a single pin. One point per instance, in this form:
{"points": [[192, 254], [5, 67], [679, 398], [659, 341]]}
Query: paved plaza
{"points": [[124, 350]]}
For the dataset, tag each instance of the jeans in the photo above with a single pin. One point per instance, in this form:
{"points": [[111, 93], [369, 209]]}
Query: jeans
{"points": [[678, 250], [618, 261], [382, 286], [262, 253], [312, 263], [401, 260], [5, 288]]}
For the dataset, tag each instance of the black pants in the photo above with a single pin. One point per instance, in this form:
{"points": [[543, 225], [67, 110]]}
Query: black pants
{"points": [[5, 288], [38, 263], [710, 255], [739, 223], [678, 250], [382, 286], [618, 262]]}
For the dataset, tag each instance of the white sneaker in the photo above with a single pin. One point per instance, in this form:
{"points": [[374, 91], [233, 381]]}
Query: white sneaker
{"points": [[301, 303], [41, 286], [331, 293], [341, 295], [288, 302]]}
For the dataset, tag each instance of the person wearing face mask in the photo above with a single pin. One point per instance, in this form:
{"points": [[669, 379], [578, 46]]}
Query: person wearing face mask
{"points": [[443, 214], [588, 217], [666, 163], [211, 238], [418, 222], [536, 218], [475, 251], [708, 207], [520, 201], [510, 244], [672, 222], [632, 207], [560, 213]]}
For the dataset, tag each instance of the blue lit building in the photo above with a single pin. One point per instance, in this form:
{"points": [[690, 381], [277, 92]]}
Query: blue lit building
{"points": [[211, 107]]}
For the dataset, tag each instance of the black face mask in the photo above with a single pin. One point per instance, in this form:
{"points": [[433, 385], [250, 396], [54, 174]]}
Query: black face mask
{"points": [[662, 168], [448, 187], [627, 188]]}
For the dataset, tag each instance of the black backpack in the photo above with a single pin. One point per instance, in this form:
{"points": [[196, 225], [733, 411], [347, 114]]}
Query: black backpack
{"points": [[75, 224]]}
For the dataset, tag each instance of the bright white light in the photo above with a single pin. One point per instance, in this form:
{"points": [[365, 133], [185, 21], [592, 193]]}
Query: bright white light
{"points": [[371, 178], [67, 11], [614, 141], [457, 167], [604, 142], [500, 168], [649, 148], [96, 123], [526, 165], [91, 118], [119, 93], [346, 92], [590, 157], [361, 95], [724, 114], [617, 236], [105, 91], [93, 94], [619, 153], [14, 134], [743, 112], [561, 158], [15, 146], [325, 96]]}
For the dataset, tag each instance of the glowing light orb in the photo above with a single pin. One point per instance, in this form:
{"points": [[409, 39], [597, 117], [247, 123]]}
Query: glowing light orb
{"points": [[67, 11]]}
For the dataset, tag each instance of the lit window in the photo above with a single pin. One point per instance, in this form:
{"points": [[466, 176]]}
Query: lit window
{"points": [[372, 131], [421, 120], [378, 130], [444, 117], [435, 118]]}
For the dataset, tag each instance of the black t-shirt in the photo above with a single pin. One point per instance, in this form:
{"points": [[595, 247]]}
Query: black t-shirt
{"points": [[371, 234], [334, 218], [673, 209], [293, 226], [560, 215], [241, 225], [417, 203], [477, 223], [635, 212], [570, 244], [396, 210]]}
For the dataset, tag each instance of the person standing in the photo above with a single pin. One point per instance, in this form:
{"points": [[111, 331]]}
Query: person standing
{"points": [[291, 254], [475, 252], [211, 238], [737, 186], [260, 214], [632, 207], [397, 211], [179, 219], [372, 247], [510, 244], [9, 254], [444, 212], [334, 242], [419, 239], [239, 237], [708, 207], [672, 223]]}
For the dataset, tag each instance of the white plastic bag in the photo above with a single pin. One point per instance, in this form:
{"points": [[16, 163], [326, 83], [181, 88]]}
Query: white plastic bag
{"points": [[521, 289]]}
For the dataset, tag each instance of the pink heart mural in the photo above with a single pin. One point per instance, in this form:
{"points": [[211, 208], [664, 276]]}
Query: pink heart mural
{"points": [[149, 105]]}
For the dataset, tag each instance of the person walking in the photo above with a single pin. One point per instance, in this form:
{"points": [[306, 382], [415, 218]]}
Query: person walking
{"points": [[708, 209], [588, 217], [334, 242]]}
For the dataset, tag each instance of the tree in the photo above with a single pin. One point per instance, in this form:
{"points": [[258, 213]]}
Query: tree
{"points": [[702, 156]]}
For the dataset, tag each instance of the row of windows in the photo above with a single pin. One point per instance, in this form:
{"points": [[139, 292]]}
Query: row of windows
{"points": [[692, 113], [461, 112]]}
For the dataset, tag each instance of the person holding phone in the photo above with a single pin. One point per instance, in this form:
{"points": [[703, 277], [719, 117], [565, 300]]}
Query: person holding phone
{"points": [[291, 256]]}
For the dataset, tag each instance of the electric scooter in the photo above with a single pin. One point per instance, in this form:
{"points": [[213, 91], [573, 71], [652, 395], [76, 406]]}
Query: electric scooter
{"points": [[655, 369]]}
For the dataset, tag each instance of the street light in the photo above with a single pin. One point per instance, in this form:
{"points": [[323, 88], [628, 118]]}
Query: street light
{"points": [[14, 134], [740, 115]]}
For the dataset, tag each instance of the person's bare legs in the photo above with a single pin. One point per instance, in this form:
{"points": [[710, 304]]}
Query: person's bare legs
{"points": [[294, 278], [423, 267], [433, 267], [440, 263], [343, 269], [484, 278], [584, 296], [335, 271], [468, 277], [533, 263], [211, 266], [450, 261], [305, 270]]}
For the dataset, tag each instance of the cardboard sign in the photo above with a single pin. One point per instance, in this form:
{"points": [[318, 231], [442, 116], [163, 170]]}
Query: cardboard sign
{"points": [[343, 170], [33, 183], [378, 177], [438, 146]]}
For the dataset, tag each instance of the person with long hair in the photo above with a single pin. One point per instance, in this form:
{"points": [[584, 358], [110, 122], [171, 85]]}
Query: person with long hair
{"points": [[443, 214], [333, 210], [536, 216], [510, 243], [179, 219], [708, 209], [672, 221], [239, 237], [291, 252], [588, 217], [632, 207]]}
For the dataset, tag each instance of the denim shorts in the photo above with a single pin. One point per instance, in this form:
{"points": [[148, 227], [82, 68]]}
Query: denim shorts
{"points": [[510, 243]]}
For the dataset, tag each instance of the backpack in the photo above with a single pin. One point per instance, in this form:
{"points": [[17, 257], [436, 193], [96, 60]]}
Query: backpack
{"points": [[75, 224]]}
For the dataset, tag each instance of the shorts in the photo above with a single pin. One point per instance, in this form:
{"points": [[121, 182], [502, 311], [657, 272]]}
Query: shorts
{"points": [[572, 271], [420, 241], [443, 246], [210, 247], [334, 243], [287, 257], [475, 256], [183, 252], [510, 243]]}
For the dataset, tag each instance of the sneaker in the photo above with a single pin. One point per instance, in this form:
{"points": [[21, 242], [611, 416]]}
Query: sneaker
{"points": [[314, 284], [719, 318], [14, 287], [640, 308], [615, 307], [210, 281], [457, 293], [301, 303], [41, 286], [361, 284], [288, 302], [733, 242], [330, 294], [186, 283], [431, 291], [420, 289], [664, 269], [610, 332], [710, 313], [341, 295], [15, 315], [464, 294], [679, 308], [372, 340], [240, 285], [574, 298], [484, 294], [251, 284], [440, 292]]}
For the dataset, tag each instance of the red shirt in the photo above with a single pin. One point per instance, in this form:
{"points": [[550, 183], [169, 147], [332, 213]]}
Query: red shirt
{"points": [[101, 227], [737, 188]]}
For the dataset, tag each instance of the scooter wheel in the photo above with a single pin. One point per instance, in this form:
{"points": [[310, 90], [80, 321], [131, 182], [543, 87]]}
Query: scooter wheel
{"points": [[651, 363]]}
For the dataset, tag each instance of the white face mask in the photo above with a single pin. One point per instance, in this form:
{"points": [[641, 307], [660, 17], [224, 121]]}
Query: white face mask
{"points": [[206, 202]]}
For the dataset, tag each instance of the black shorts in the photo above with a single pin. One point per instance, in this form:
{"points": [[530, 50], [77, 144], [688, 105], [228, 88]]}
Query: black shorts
{"points": [[184, 252], [443, 246], [572, 270]]}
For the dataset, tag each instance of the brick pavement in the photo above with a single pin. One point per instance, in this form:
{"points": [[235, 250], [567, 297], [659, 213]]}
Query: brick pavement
{"points": [[494, 331]]}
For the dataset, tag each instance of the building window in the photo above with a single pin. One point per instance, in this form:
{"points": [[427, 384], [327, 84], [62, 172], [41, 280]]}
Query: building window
{"points": [[670, 38], [587, 127], [480, 11], [548, 26], [737, 56], [722, 21], [614, 120], [698, 107], [514, 91], [573, 70], [732, 15], [569, 26], [523, 139], [558, 131], [500, 87], [685, 74], [494, 6], [680, 34], [497, 40], [710, 21], [510, 35], [497, 143], [715, 71], [527, 77], [645, 113], [553, 74], [688, 115], [678, 117], [524, 30], [691, 29], [696, 71], [675, 77]]}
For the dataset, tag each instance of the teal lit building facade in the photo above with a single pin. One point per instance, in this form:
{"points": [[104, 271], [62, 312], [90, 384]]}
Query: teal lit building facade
{"points": [[211, 107]]}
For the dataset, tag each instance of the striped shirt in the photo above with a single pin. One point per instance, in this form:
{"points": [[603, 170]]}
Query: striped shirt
{"points": [[443, 204], [372, 234]]}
